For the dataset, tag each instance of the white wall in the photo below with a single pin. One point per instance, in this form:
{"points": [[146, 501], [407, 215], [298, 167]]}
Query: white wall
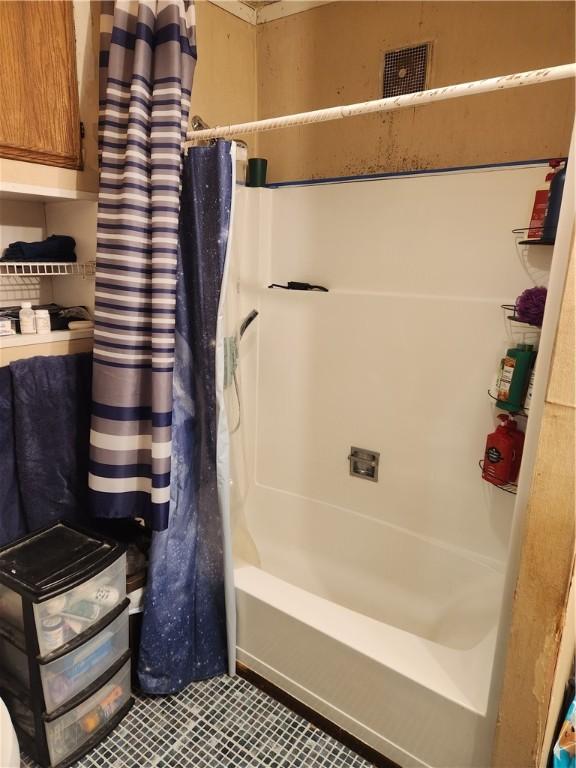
{"points": [[22, 221], [77, 219], [398, 356]]}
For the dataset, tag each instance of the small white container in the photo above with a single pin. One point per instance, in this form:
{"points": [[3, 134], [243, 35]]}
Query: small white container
{"points": [[42, 321], [5, 326], [27, 318], [53, 632]]}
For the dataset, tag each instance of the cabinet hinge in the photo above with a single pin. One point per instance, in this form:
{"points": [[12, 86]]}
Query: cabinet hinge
{"points": [[82, 130]]}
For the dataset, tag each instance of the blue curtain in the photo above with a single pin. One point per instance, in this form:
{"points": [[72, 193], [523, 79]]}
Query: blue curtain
{"points": [[12, 521], [184, 635]]}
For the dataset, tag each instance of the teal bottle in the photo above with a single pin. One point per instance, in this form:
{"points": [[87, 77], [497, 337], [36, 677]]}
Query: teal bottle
{"points": [[514, 378]]}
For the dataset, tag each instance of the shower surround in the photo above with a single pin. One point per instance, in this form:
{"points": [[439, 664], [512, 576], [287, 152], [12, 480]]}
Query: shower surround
{"points": [[377, 604]]}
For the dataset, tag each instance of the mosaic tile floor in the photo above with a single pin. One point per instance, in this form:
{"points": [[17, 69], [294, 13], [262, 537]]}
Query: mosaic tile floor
{"points": [[220, 723]]}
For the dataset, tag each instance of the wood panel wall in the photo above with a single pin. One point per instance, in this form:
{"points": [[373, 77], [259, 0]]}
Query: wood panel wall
{"points": [[39, 114], [334, 54], [543, 584]]}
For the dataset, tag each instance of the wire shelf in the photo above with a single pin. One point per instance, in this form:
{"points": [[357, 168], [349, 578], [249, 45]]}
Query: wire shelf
{"points": [[46, 269], [537, 235], [515, 319], [506, 487], [521, 412]]}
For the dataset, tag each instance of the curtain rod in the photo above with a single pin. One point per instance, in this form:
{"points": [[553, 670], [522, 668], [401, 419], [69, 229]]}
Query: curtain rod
{"points": [[503, 82]]}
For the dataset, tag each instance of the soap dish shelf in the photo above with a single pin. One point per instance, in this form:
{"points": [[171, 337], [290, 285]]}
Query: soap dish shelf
{"points": [[522, 412], [507, 487], [515, 319], [523, 232]]}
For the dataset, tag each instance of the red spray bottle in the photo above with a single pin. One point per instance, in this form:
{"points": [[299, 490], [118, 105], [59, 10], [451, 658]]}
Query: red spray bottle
{"points": [[503, 452]]}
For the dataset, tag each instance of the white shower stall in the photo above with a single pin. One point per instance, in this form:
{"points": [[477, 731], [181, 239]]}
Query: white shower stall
{"points": [[378, 604]]}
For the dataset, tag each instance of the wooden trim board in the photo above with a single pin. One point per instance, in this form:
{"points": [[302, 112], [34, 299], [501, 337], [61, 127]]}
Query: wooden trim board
{"points": [[267, 13], [27, 155], [542, 589]]}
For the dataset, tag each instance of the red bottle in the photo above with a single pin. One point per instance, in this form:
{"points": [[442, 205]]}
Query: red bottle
{"points": [[540, 209], [503, 452]]}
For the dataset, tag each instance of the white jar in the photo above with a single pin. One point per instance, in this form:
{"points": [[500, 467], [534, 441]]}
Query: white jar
{"points": [[5, 326], [27, 319], [42, 321]]}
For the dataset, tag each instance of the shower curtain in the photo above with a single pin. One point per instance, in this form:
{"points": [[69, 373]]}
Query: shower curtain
{"points": [[188, 630], [158, 436], [147, 62]]}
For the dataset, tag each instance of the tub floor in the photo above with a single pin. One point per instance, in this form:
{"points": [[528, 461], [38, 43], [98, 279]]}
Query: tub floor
{"points": [[221, 723]]}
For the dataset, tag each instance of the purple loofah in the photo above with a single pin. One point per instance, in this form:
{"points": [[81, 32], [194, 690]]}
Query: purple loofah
{"points": [[530, 306]]}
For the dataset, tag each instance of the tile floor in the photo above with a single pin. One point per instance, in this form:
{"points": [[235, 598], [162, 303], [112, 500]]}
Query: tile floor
{"points": [[221, 723]]}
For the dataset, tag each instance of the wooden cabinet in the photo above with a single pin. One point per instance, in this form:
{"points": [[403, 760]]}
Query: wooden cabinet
{"points": [[39, 113]]}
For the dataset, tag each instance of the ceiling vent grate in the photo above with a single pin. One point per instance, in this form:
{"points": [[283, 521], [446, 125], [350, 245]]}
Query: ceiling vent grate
{"points": [[405, 70]]}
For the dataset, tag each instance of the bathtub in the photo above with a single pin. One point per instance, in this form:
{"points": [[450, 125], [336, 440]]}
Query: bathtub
{"points": [[388, 634], [375, 604]]}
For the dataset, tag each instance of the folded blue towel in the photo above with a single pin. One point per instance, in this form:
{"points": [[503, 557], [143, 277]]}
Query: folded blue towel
{"points": [[54, 248]]}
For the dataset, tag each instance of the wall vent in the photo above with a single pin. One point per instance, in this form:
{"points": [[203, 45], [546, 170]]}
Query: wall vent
{"points": [[405, 70]]}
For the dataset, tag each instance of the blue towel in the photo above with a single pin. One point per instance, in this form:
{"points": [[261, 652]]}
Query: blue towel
{"points": [[54, 248], [51, 397], [12, 523]]}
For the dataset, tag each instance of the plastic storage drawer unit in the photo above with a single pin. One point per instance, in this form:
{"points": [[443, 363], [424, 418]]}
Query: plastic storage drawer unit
{"points": [[63, 638]]}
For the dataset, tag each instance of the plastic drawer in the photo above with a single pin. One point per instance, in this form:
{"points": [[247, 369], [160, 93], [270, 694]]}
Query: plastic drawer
{"points": [[67, 615], [65, 677], [70, 732]]}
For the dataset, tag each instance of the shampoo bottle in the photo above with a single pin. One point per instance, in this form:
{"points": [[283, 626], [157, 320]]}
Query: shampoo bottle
{"points": [[514, 377]]}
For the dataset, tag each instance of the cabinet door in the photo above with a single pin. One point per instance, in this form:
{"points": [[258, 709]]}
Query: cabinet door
{"points": [[39, 115]]}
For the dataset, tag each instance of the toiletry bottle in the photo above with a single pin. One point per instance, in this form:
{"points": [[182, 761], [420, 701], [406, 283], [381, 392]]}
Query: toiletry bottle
{"points": [[27, 319], [514, 377], [53, 632], [554, 200], [499, 454], [528, 399], [5, 326], [42, 317], [536, 229], [103, 711]]}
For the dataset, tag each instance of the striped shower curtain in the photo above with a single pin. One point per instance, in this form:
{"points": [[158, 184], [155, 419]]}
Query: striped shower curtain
{"points": [[147, 63]]}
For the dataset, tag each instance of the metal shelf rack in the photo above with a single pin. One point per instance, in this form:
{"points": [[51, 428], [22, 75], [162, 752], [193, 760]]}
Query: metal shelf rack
{"points": [[506, 487], [46, 269]]}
